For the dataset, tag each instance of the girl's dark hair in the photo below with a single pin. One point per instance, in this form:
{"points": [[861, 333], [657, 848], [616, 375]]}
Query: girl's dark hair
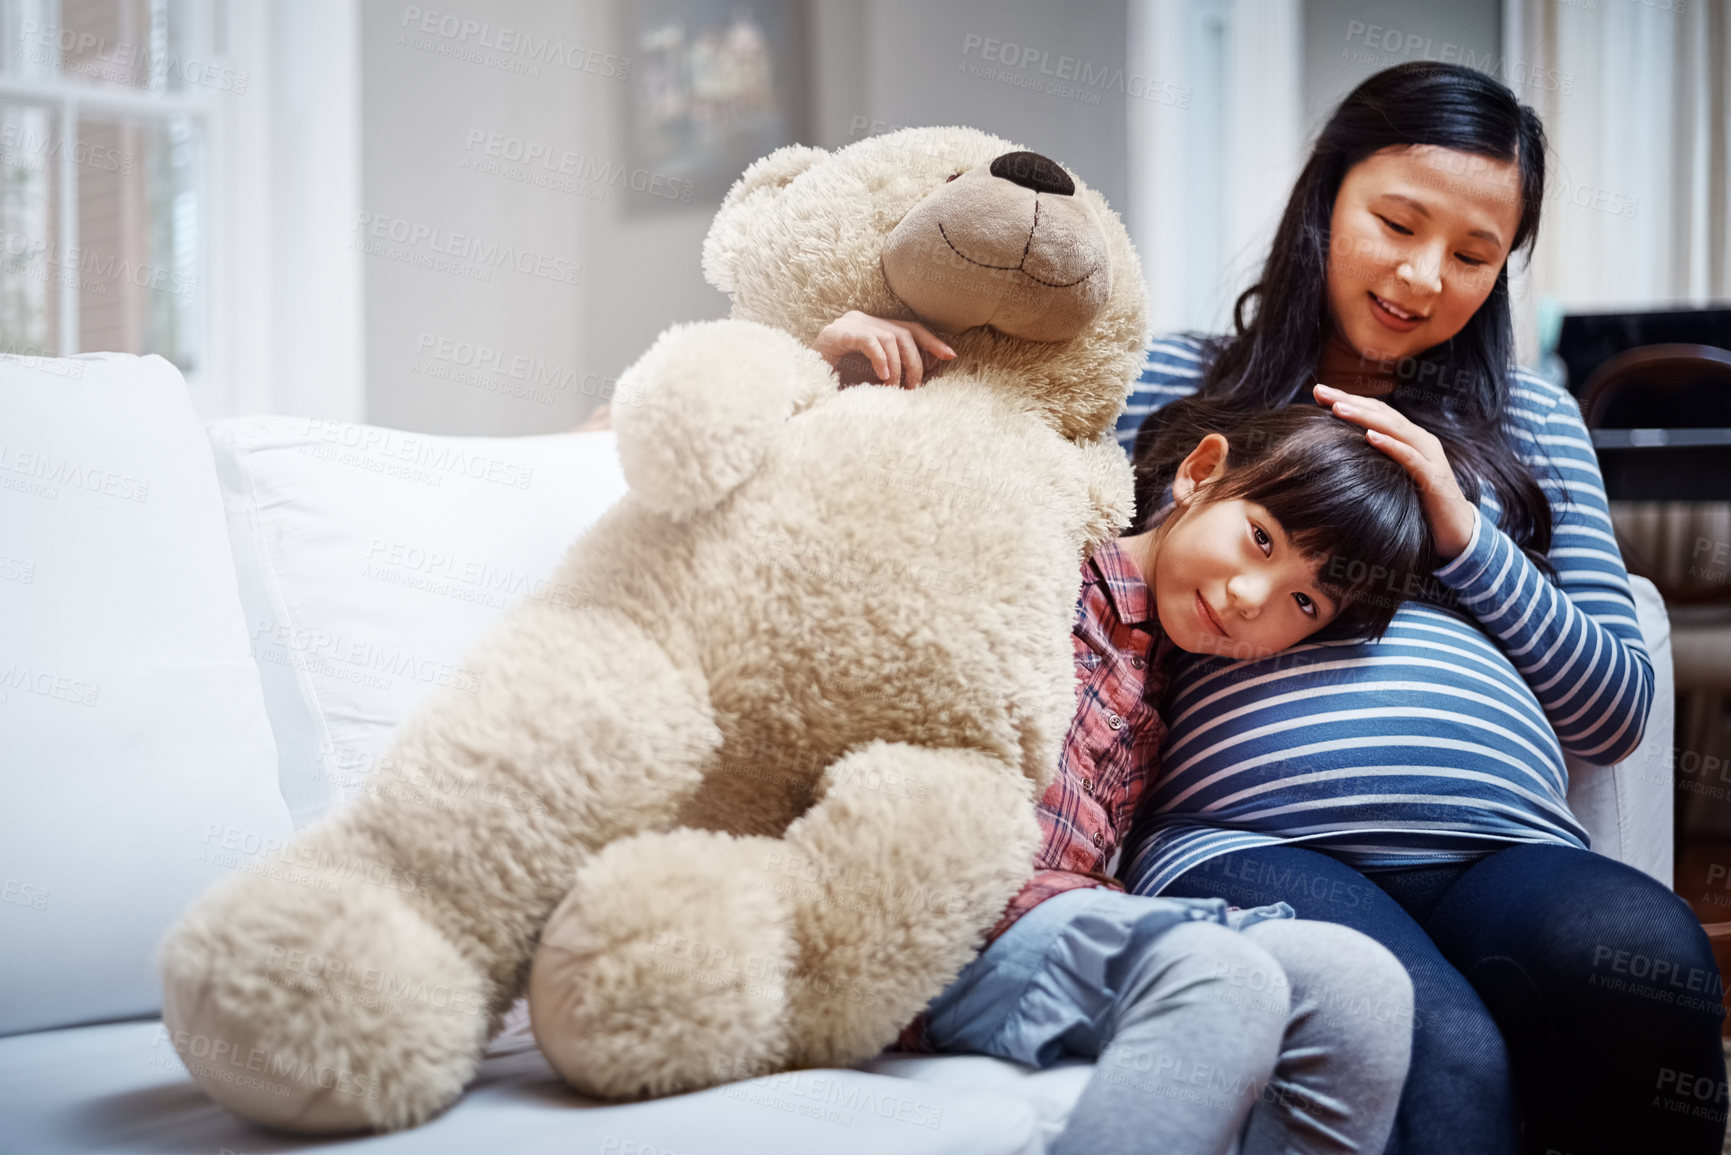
{"points": [[1344, 503], [1458, 390]]}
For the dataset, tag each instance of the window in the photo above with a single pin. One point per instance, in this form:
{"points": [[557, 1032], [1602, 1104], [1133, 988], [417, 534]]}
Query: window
{"points": [[106, 109]]}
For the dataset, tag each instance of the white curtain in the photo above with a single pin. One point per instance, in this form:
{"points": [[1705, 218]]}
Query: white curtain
{"points": [[288, 319], [1212, 160], [1637, 216], [1637, 107]]}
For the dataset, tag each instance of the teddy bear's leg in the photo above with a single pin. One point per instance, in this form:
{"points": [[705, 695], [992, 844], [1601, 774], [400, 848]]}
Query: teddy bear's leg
{"points": [[684, 959], [663, 970], [695, 415], [352, 980], [913, 854]]}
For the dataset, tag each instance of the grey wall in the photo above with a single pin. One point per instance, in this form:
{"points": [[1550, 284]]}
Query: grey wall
{"points": [[1347, 40], [943, 63], [874, 64], [419, 106]]}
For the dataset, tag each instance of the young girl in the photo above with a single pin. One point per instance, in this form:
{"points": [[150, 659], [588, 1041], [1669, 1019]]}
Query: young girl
{"points": [[1209, 1025], [1423, 775]]}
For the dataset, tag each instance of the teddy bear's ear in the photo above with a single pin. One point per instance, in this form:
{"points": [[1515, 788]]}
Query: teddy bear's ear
{"points": [[729, 233]]}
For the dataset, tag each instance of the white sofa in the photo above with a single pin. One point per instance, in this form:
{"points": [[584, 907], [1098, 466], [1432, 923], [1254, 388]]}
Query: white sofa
{"points": [[207, 633]]}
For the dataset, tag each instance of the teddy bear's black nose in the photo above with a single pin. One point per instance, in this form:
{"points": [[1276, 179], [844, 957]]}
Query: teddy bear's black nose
{"points": [[1031, 170]]}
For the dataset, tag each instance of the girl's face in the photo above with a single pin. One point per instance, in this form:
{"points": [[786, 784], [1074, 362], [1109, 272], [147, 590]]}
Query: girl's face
{"points": [[1418, 237], [1225, 579]]}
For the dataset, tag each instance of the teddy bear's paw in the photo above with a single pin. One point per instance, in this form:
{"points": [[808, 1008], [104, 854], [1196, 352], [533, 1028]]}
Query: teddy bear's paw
{"points": [[665, 968], [696, 415], [321, 1011]]}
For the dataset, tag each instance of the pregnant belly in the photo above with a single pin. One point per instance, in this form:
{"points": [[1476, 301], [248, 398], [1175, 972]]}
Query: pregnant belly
{"points": [[1428, 730]]}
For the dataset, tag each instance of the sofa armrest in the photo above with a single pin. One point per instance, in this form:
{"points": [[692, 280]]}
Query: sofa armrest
{"points": [[1627, 807]]}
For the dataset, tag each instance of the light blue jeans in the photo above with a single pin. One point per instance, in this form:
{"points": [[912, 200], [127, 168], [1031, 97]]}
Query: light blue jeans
{"points": [[1209, 1026]]}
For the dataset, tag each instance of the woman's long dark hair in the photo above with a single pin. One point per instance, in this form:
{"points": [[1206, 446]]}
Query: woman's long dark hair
{"points": [[1346, 505], [1458, 390]]}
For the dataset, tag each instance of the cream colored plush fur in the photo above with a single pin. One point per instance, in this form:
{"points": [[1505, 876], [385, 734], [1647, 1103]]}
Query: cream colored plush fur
{"points": [[754, 797]]}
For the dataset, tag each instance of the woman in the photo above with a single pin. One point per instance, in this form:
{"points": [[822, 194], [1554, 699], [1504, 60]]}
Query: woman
{"points": [[1414, 787]]}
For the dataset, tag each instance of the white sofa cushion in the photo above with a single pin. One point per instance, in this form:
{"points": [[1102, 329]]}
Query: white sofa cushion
{"points": [[371, 560], [137, 753], [1626, 808], [121, 1088]]}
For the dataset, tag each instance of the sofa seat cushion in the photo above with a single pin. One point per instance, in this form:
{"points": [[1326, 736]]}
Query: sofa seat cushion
{"points": [[120, 1087]]}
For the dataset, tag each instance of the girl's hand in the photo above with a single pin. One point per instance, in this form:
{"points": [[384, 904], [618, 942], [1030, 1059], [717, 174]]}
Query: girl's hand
{"points": [[1418, 451], [894, 348]]}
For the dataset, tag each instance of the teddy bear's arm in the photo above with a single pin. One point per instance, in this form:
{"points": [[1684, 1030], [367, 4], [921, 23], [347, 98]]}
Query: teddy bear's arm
{"points": [[1111, 492], [760, 954], [696, 413]]}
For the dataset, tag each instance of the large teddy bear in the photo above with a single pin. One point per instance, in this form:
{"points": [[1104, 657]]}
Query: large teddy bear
{"points": [[754, 798]]}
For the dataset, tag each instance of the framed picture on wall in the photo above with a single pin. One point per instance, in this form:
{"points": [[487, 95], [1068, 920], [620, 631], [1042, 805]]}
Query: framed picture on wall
{"points": [[714, 85]]}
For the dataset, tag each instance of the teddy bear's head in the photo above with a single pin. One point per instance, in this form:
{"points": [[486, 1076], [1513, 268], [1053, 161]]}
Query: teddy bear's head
{"points": [[1020, 266]]}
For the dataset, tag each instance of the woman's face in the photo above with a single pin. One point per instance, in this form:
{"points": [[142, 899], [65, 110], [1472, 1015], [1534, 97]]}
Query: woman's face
{"points": [[1418, 237], [1225, 578]]}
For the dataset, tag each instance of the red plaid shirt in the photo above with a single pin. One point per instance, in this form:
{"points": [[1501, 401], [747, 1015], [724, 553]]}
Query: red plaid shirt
{"points": [[1111, 749]]}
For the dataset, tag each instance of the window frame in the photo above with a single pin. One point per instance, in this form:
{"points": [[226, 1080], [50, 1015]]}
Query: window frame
{"points": [[66, 97]]}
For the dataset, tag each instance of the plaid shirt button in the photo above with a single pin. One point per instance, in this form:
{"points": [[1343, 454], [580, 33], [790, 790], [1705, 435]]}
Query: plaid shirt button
{"points": [[1114, 721], [1099, 839], [1137, 662], [1088, 785]]}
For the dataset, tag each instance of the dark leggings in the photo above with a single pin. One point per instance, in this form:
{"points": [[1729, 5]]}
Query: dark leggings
{"points": [[1565, 1003]]}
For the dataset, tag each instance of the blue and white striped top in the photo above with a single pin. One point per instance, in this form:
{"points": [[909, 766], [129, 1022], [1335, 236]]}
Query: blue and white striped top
{"points": [[1440, 742]]}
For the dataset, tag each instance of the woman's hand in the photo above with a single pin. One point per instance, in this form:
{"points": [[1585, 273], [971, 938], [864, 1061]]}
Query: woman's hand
{"points": [[1418, 451], [896, 349]]}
